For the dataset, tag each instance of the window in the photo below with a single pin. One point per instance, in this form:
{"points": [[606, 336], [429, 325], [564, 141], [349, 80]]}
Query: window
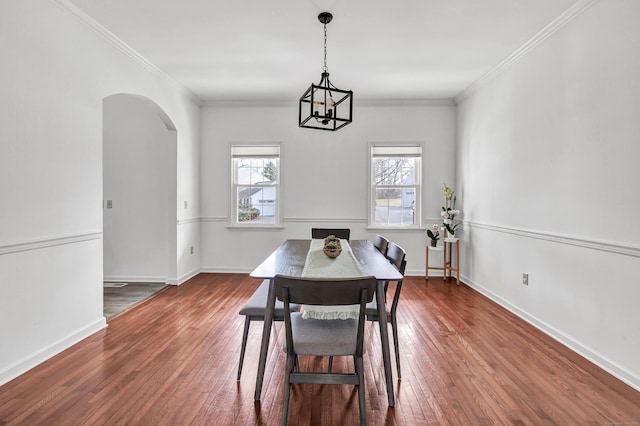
{"points": [[256, 183], [395, 185]]}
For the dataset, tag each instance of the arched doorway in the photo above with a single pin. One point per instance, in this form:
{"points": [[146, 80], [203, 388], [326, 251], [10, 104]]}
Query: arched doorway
{"points": [[139, 191]]}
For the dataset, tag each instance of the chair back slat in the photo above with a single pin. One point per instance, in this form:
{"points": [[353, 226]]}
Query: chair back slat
{"points": [[342, 233], [396, 255], [322, 291], [381, 243]]}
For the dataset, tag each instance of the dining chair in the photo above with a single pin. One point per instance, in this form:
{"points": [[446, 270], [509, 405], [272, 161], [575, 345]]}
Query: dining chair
{"points": [[381, 243], [396, 256], [326, 337], [254, 310], [342, 233]]}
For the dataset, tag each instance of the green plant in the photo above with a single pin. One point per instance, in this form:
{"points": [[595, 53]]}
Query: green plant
{"points": [[331, 245], [247, 214], [433, 233]]}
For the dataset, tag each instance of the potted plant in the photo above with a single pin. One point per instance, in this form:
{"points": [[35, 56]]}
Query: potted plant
{"points": [[434, 234], [332, 247], [449, 211]]}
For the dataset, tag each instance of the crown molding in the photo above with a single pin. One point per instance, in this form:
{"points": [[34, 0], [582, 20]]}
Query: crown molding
{"points": [[244, 103], [571, 13], [115, 41], [293, 103], [406, 102]]}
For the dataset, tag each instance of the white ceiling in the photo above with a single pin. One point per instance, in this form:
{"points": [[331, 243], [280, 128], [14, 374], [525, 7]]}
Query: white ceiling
{"points": [[273, 50]]}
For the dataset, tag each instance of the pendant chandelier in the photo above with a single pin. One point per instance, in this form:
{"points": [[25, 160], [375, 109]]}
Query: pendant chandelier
{"points": [[323, 106]]}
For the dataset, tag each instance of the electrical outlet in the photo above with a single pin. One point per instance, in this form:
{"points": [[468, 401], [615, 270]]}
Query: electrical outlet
{"points": [[186, 205], [525, 278], [191, 249], [109, 204]]}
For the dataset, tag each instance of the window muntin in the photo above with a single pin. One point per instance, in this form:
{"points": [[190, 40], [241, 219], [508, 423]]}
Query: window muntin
{"points": [[256, 183], [395, 186]]}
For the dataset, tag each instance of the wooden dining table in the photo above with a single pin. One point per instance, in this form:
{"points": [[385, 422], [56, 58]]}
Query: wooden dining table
{"points": [[289, 259]]}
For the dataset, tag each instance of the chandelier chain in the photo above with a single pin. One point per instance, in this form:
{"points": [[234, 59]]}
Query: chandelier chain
{"points": [[324, 68]]}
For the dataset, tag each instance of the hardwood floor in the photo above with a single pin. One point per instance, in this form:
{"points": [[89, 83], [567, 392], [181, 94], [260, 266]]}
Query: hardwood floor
{"points": [[172, 360], [119, 299]]}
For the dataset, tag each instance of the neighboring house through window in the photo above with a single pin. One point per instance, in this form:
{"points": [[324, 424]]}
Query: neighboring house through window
{"points": [[396, 184], [256, 183]]}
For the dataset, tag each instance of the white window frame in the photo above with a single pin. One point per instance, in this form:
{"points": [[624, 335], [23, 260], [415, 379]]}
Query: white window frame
{"points": [[411, 150], [246, 151]]}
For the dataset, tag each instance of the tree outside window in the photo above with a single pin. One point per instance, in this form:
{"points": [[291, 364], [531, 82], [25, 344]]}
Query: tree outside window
{"points": [[395, 183], [256, 184]]}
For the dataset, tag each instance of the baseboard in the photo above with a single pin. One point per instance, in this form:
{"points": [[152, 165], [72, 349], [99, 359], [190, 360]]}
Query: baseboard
{"points": [[420, 273], [185, 277], [35, 359], [222, 270], [557, 335], [135, 279]]}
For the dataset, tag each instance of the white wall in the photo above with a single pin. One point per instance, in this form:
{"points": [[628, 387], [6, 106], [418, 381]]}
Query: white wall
{"points": [[54, 76], [548, 173], [323, 174]]}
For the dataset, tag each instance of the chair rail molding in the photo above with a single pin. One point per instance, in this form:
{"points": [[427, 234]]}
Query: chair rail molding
{"points": [[189, 221], [325, 219], [48, 242], [223, 219], [626, 249]]}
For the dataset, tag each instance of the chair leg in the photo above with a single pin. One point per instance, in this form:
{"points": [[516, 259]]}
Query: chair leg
{"points": [[291, 361], [247, 322], [394, 329], [361, 403]]}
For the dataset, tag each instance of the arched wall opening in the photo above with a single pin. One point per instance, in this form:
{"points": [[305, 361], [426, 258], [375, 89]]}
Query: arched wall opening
{"points": [[139, 190]]}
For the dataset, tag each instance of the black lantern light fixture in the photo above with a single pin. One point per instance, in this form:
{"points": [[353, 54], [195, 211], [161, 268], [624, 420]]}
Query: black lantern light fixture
{"points": [[323, 106]]}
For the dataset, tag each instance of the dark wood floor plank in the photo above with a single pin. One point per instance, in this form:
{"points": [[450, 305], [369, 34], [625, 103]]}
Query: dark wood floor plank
{"points": [[173, 360]]}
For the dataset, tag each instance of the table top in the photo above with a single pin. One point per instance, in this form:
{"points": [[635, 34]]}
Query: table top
{"points": [[289, 259]]}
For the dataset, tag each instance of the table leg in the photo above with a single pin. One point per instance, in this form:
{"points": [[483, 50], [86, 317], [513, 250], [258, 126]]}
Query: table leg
{"points": [[384, 337], [266, 335]]}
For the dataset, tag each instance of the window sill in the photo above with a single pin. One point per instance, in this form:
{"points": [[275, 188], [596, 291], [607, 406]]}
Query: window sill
{"points": [[255, 227]]}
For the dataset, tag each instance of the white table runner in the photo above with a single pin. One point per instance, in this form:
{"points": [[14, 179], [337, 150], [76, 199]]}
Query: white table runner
{"points": [[319, 265]]}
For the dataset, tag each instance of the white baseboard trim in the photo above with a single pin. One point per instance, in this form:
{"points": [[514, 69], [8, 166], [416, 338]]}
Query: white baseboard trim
{"points": [[185, 277], [222, 270], [135, 279], [420, 273], [37, 358], [557, 335]]}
